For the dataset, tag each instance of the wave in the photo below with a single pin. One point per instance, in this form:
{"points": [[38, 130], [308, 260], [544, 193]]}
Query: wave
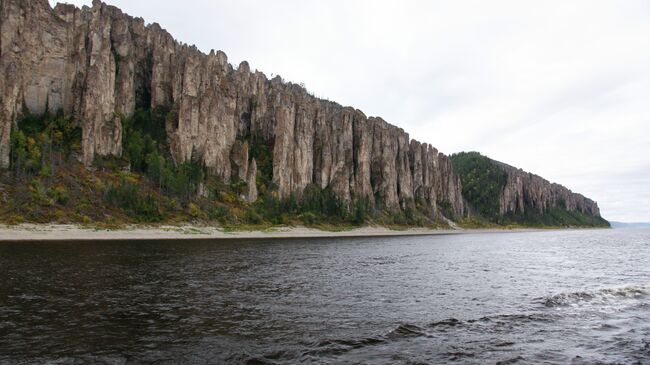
{"points": [[518, 318], [450, 322], [499, 333], [406, 331], [340, 346], [601, 295]]}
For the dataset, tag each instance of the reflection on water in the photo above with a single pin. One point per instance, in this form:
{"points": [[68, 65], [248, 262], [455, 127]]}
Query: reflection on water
{"points": [[555, 297]]}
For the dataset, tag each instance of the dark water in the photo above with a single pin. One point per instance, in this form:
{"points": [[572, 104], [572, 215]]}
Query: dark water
{"points": [[549, 297]]}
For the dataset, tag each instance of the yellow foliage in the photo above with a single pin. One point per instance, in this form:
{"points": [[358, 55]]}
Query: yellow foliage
{"points": [[194, 210], [60, 215], [229, 197]]}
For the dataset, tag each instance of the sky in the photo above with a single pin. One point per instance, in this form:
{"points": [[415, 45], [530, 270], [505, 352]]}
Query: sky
{"points": [[558, 88]]}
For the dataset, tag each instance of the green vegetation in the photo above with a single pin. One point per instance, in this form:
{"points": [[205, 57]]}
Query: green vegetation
{"points": [[262, 152], [483, 182], [48, 184], [447, 210], [41, 144], [146, 150], [554, 217]]}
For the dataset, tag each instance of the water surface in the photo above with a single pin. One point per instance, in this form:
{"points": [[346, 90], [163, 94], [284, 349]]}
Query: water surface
{"points": [[555, 297]]}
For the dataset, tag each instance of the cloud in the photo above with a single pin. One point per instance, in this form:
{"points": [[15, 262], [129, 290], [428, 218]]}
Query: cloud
{"points": [[559, 88]]}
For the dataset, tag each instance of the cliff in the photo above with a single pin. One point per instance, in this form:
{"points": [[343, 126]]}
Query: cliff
{"points": [[504, 194], [524, 190], [98, 65]]}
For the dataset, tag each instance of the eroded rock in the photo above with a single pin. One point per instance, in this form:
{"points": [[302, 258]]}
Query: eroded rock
{"points": [[97, 64]]}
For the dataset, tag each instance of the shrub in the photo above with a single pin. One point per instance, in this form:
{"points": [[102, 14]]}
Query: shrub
{"points": [[110, 163], [309, 218], [141, 206], [238, 186], [219, 213], [361, 210], [194, 210], [60, 194], [323, 202], [446, 209], [252, 217]]}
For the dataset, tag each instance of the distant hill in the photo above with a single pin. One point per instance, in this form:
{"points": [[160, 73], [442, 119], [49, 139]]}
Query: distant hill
{"points": [[630, 225]]}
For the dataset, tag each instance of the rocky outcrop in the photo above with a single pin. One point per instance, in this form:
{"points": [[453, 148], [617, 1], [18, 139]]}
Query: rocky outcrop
{"points": [[97, 65], [243, 170], [524, 191], [251, 182], [65, 59]]}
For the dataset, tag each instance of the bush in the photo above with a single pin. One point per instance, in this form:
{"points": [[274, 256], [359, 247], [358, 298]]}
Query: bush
{"points": [[219, 213], [40, 194], [60, 194], [238, 186], [323, 202], [252, 217], [446, 209], [361, 210], [110, 163], [182, 181], [194, 210], [126, 195], [309, 218]]}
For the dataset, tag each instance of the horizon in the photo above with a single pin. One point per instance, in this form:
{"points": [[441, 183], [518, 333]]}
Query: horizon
{"points": [[486, 73]]}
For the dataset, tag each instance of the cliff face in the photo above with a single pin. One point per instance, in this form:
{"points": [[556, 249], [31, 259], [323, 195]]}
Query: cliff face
{"points": [[524, 190], [98, 64], [63, 59]]}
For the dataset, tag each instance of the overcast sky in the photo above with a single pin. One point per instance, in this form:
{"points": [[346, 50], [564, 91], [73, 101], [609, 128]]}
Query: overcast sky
{"points": [[559, 88]]}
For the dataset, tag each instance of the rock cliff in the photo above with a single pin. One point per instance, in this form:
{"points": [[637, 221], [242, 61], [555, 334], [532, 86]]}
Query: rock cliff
{"points": [[524, 190], [97, 65]]}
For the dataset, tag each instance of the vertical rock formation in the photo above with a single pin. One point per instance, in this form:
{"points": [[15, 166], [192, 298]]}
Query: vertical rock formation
{"points": [[524, 190], [251, 182], [97, 65], [64, 59]]}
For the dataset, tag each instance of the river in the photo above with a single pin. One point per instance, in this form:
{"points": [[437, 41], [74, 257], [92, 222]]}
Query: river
{"points": [[579, 297]]}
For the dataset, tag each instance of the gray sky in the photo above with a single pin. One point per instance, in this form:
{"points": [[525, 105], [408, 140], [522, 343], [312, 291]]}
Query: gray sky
{"points": [[559, 88]]}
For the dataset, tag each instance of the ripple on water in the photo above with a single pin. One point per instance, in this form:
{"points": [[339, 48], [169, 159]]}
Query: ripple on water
{"points": [[600, 296], [402, 300]]}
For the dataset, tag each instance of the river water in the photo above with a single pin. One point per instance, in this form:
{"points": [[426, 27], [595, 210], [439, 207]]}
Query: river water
{"points": [[577, 297]]}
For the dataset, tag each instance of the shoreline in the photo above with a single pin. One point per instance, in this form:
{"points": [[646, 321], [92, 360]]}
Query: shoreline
{"points": [[75, 233]]}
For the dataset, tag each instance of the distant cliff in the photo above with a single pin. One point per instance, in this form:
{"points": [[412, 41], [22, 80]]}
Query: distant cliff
{"points": [[524, 190], [98, 66], [504, 194]]}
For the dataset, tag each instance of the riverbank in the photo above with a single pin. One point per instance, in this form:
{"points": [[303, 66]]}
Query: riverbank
{"points": [[60, 233]]}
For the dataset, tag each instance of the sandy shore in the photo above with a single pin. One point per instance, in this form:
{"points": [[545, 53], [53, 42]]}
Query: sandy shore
{"points": [[35, 232]]}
